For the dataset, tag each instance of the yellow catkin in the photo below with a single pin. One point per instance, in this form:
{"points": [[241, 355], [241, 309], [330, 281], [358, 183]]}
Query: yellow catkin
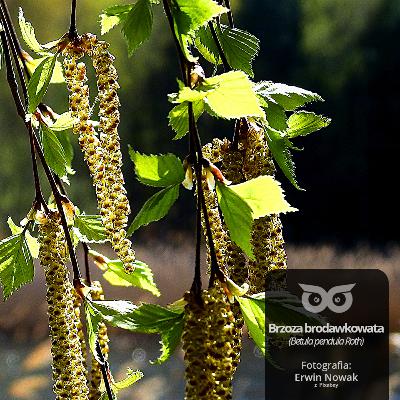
{"points": [[207, 338], [95, 373], [267, 238], [69, 373], [81, 334], [102, 152]]}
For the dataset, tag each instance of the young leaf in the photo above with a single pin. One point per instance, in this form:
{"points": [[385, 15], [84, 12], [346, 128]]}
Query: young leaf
{"points": [[65, 140], [289, 97], [131, 378], [205, 44], [253, 311], [93, 320], [233, 96], [155, 208], [240, 48], [190, 15], [114, 15], [137, 25], [90, 229], [264, 195], [32, 242], [279, 147], [53, 151], [64, 121], [276, 116], [237, 216], [191, 95], [146, 318], [28, 34], [39, 82], [179, 117], [16, 264], [159, 171], [303, 123], [57, 76]]}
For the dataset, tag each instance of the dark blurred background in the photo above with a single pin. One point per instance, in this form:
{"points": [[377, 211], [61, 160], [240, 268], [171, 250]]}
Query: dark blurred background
{"points": [[344, 50]]}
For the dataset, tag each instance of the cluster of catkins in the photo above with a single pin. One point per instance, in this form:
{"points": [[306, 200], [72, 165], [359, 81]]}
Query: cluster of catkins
{"points": [[69, 372], [202, 338], [207, 341], [101, 150]]}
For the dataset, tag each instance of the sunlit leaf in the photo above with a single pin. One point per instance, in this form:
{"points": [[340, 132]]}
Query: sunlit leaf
{"points": [[90, 229], [303, 123], [31, 241], [179, 117], [57, 76], [114, 15]]}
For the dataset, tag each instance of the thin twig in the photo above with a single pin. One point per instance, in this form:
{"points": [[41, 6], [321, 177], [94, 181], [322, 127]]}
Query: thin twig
{"points": [[73, 33], [229, 13], [104, 371], [87, 266], [221, 53]]}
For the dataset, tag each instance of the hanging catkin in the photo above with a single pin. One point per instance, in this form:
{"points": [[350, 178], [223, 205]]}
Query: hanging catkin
{"points": [[267, 238], [95, 373], [69, 373], [102, 153], [207, 337]]}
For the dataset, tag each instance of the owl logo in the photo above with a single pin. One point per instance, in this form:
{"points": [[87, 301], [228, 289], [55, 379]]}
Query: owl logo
{"points": [[316, 299]]}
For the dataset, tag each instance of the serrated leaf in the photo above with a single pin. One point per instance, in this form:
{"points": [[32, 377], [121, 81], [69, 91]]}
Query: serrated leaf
{"points": [[146, 318], [65, 141], [90, 229], [131, 378], [32, 242], [253, 311], [113, 16], [264, 195], [93, 320], [205, 44], [289, 97], [237, 216], [190, 15], [179, 117], [28, 34], [240, 48], [276, 116], [279, 147], [155, 208], [138, 25], [16, 264], [233, 96], [303, 123], [187, 94], [64, 121], [57, 76], [157, 170], [53, 151], [39, 82]]}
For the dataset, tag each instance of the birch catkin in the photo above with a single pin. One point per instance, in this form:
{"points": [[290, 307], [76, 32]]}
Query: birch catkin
{"points": [[69, 373], [102, 153]]}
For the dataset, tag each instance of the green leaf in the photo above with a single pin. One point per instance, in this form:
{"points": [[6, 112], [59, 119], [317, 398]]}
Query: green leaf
{"points": [[190, 15], [279, 147], [146, 318], [31, 241], [179, 117], [16, 264], [57, 76], [93, 320], [237, 216], [131, 378], [159, 171], [253, 311], [233, 96], [205, 44], [155, 208], [303, 123], [28, 34], [64, 138], [39, 82], [276, 116], [289, 97], [240, 48], [53, 151], [64, 121], [90, 229], [264, 195], [113, 16], [137, 25], [170, 339]]}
